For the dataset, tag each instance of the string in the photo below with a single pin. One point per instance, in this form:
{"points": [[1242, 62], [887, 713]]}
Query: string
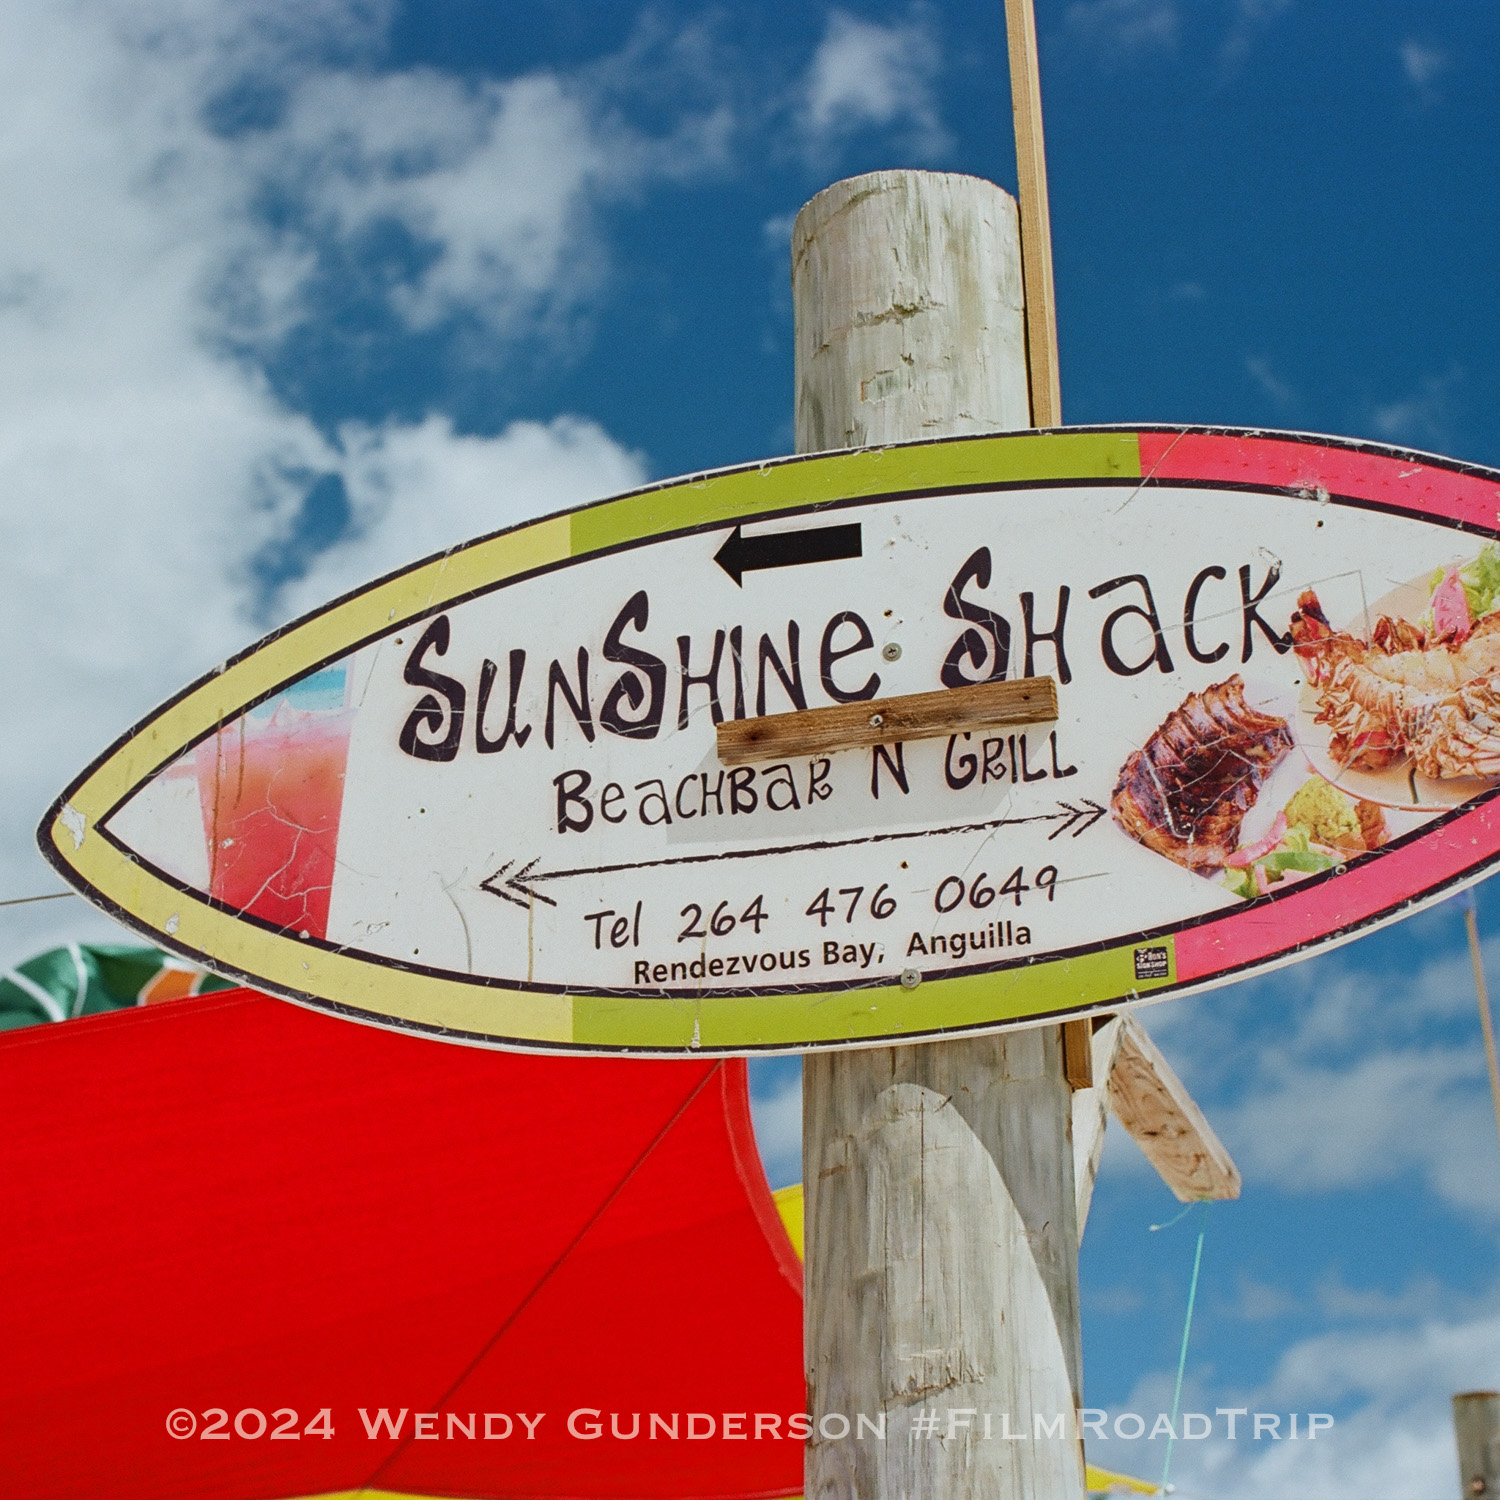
{"points": [[1187, 1329], [390, 1459], [1482, 994], [1175, 1219], [27, 900]]}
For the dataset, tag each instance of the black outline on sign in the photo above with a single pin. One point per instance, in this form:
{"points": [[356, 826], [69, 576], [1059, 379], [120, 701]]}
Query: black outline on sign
{"points": [[1327, 939]]}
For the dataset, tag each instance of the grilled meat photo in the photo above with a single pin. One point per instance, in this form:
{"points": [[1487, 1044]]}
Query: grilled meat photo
{"points": [[1187, 790]]}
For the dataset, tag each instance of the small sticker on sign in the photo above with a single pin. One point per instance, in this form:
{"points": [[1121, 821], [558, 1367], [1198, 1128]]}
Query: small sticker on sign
{"points": [[1151, 963]]}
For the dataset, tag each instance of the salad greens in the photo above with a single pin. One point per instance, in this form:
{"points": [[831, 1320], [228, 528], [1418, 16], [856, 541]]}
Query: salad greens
{"points": [[1293, 853], [1480, 579]]}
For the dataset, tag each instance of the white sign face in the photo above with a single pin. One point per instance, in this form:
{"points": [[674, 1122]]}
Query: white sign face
{"points": [[483, 797]]}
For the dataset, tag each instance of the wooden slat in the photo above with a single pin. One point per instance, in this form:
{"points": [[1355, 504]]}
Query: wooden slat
{"points": [[1476, 1425], [1078, 1054], [1036, 219], [885, 721], [938, 1251], [1090, 1114], [1150, 1101]]}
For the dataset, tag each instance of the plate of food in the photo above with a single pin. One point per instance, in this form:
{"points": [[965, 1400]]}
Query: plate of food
{"points": [[1402, 707], [1222, 789]]}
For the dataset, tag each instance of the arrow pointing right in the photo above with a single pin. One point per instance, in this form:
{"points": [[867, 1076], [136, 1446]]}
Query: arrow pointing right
{"points": [[1084, 817]]}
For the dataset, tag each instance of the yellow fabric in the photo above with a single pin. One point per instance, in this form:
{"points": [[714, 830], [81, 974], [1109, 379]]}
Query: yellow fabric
{"points": [[370, 1495], [1096, 1481], [1102, 1481], [790, 1206]]}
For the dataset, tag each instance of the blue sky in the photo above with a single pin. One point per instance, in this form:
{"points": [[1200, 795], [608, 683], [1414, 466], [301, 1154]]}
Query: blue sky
{"points": [[294, 292]]}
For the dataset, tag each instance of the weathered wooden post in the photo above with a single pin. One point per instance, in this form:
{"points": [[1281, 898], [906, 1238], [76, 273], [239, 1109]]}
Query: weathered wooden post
{"points": [[1476, 1425], [942, 1272]]}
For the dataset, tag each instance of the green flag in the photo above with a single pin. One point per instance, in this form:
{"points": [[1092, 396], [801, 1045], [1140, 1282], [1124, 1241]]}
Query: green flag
{"points": [[85, 979]]}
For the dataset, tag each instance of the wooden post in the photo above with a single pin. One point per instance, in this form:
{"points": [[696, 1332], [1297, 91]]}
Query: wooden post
{"points": [[942, 1242], [1476, 1425]]}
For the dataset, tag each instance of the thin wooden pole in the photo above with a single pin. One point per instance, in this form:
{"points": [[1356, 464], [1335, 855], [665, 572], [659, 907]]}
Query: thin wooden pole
{"points": [[1476, 1426], [1482, 993], [1036, 216], [942, 1242]]}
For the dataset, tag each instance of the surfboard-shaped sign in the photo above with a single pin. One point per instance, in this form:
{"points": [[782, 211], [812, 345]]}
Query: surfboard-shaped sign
{"points": [[483, 797]]}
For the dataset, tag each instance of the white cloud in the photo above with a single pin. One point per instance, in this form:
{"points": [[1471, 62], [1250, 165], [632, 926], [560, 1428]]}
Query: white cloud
{"points": [[1397, 1437], [1124, 26], [415, 490], [1388, 1389], [1425, 416], [495, 181], [1125, 30], [776, 232], [1250, 17], [1423, 65], [1424, 1296], [865, 74], [1256, 1301], [1393, 1366], [1266, 378], [493, 178], [1414, 1111], [778, 1131], [133, 463], [1371, 1078], [143, 466]]}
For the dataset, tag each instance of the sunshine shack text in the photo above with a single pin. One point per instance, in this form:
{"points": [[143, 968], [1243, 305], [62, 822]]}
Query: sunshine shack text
{"points": [[644, 681]]}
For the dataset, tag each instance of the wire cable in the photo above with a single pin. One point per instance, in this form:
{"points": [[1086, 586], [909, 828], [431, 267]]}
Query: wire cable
{"points": [[1187, 1329], [389, 1461], [1482, 994]]}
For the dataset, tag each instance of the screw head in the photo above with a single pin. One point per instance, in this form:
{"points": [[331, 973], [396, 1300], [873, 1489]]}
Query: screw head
{"points": [[891, 651], [876, 720], [910, 978]]}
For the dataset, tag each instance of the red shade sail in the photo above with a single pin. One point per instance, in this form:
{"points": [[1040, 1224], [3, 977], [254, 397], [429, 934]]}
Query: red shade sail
{"points": [[230, 1203]]}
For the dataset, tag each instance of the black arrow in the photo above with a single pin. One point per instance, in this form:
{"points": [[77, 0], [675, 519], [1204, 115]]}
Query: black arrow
{"points": [[510, 888], [513, 889], [1089, 816], [742, 554]]}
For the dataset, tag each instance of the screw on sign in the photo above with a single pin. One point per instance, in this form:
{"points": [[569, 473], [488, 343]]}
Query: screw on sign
{"points": [[580, 785]]}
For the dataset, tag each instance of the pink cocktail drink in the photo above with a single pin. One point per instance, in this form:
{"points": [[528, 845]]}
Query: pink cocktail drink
{"points": [[271, 790]]}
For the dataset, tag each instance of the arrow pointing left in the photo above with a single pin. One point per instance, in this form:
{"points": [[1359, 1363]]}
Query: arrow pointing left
{"points": [[513, 888], [743, 554]]}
